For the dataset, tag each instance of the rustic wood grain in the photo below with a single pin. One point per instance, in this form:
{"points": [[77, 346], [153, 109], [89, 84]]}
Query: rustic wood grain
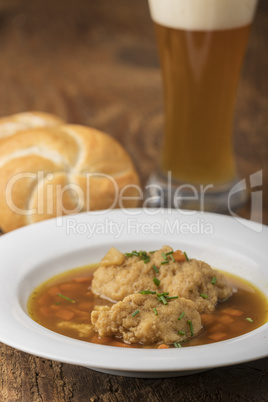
{"points": [[95, 63], [28, 378]]}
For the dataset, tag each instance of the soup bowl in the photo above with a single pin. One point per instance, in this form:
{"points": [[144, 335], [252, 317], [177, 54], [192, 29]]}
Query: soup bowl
{"points": [[33, 254]]}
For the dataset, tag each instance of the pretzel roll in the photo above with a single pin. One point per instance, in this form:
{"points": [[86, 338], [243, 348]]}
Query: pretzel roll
{"points": [[49, 172], [22, 121]]}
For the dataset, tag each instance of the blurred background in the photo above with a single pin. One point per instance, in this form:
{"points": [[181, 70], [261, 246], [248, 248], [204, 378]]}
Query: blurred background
{"points": [[95, 63]]}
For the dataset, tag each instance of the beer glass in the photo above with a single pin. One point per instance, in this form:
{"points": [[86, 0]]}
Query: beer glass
{"points": [[201, 47]]}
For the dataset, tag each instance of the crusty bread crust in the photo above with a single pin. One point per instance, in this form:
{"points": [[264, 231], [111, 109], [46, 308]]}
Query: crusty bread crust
{"points": [[53, 171], [22, 121]]}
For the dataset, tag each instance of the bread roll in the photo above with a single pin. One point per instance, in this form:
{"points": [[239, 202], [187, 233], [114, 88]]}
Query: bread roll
{"points": [[48, 172], [22, 121]]}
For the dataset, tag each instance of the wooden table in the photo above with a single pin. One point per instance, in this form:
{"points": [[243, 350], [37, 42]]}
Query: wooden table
{"points": [[95, 63]]}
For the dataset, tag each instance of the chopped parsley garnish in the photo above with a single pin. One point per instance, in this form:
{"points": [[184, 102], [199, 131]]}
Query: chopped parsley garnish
{"points": [[156, 281], [66, 298], [181, 333], [163, 300], [191, 327], [147, 292], [155, 311], [155, 269], [169, 254], [142, 254], [135, 313], [203, 295], [186, 256], [214, 280], [166, 255], [177, 345], [182, 315], [249, 319]]}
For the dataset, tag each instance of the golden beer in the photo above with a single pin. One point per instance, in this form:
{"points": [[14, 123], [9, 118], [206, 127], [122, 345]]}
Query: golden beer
{"points": [[200, 74], [201, 47]]}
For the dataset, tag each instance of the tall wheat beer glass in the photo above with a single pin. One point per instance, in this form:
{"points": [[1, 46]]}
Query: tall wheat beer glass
{"points": [[201, 47]]}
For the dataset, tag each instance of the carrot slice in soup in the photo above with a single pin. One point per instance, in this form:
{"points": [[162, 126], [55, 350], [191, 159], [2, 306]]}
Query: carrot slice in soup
{"points": [[64, 314], [179, 256]]}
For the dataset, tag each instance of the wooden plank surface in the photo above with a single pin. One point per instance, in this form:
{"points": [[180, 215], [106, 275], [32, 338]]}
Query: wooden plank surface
{"points": [[95, 63]]}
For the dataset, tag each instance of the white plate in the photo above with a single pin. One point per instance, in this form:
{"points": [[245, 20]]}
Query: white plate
{"points": [[35, 253]]}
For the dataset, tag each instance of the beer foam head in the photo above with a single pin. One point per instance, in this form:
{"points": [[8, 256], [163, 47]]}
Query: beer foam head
{"points": [[203, 14]]}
